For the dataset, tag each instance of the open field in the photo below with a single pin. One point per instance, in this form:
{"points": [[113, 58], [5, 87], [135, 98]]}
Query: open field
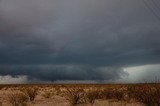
{"points": [[80, 95]]}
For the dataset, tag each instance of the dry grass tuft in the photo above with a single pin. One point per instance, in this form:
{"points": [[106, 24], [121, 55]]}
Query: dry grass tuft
{"points": [[74, 95], [149, 95], [32, 92], [17, 98], [92, 95], [47, 94]]}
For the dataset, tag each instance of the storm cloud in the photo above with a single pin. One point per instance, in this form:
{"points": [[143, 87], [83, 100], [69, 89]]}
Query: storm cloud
{"points": [[76, 40], [64, 72]]}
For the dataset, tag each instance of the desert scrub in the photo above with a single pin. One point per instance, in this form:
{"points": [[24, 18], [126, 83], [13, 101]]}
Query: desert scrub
{"points": [[31, 92], [57, 90], [119, 95], [74, 95], [92, 95], [17, 98], [47, 94], [144, 96], [149, 95]]}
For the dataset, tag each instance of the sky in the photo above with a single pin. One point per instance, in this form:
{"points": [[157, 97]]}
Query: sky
{"points": [[101, 41]]}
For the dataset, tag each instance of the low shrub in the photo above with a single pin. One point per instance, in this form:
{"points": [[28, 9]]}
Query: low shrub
{"points": [[74, 95], [92, 95], [31, 92], [17, 98], [47, 94]]}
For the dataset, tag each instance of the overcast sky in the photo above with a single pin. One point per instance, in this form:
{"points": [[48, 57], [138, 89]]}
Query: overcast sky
{"points": [[82, 40]]}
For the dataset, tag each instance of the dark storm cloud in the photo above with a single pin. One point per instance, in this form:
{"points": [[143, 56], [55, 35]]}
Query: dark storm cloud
{"points": [[90, 33], [63, 72]]}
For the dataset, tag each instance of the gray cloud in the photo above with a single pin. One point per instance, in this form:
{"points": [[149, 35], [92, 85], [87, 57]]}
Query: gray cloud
{"points": [[64, 72], [143, 74], [13, 80], [90, 34]]}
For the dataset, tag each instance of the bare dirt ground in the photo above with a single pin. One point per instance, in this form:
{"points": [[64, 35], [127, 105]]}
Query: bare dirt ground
{"points": [[49, 95]]}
